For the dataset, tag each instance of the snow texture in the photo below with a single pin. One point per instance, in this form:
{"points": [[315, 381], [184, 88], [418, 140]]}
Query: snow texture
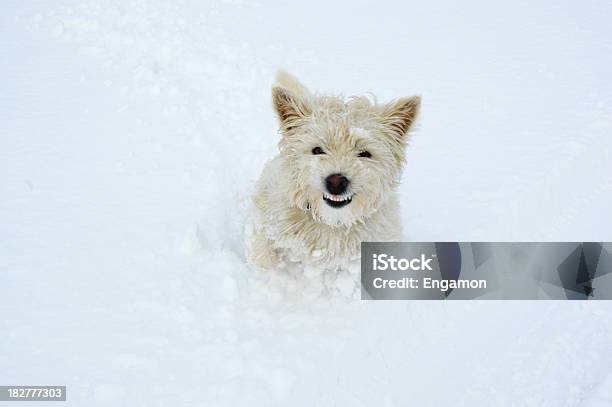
{"points": [[131, 135]]}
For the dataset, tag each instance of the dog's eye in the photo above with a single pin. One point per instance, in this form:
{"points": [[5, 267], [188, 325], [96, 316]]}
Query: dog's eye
{"points": [[317, 151], [365, 154]]}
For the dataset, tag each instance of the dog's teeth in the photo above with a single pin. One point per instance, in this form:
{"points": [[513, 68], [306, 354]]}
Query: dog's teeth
{"points": [[337, 198]]}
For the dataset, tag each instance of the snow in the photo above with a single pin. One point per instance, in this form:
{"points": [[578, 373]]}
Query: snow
{"points": [[131, 134]]}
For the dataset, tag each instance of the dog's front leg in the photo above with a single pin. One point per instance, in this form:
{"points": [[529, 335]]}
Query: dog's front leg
{"points": [[263, 254]]}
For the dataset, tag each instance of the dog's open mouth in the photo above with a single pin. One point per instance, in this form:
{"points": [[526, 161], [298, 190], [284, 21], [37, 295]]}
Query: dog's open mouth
{"points": [[337, 201]]}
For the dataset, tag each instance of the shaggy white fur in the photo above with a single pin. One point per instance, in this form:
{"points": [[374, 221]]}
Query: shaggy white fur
{"points": [[296, 217]]}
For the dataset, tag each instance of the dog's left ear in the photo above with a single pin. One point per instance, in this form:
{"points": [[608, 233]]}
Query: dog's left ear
{"points": [[399, 116]]}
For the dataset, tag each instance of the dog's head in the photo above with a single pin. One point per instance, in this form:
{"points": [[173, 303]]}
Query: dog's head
{"points": [[341, 157]]}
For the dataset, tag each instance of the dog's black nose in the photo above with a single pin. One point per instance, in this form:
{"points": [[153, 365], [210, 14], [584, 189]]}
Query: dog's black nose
{"points": [[336, 184]]}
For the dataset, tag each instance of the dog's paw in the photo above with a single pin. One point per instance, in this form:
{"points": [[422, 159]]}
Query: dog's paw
{"points": [[267, 261], [263, 255]]}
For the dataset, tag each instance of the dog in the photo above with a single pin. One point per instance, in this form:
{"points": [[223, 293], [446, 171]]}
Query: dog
{"points": [[333, 184]]}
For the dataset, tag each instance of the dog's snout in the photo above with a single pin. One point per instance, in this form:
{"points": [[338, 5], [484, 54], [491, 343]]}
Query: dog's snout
{"points": [[336, 184]]}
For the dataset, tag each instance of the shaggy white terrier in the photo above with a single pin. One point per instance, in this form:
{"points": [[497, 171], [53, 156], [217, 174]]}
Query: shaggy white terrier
{"points": [[333, 184]]}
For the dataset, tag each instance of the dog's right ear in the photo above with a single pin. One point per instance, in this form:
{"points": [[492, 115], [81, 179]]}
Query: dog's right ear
{"points": [[291, 109], [291, 101]]}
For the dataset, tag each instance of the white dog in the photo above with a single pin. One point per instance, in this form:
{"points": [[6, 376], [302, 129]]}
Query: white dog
{"points": [[333, 184]]}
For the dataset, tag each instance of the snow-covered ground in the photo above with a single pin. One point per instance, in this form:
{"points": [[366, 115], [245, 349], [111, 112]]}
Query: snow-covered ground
{"points": [[131, 134]]}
